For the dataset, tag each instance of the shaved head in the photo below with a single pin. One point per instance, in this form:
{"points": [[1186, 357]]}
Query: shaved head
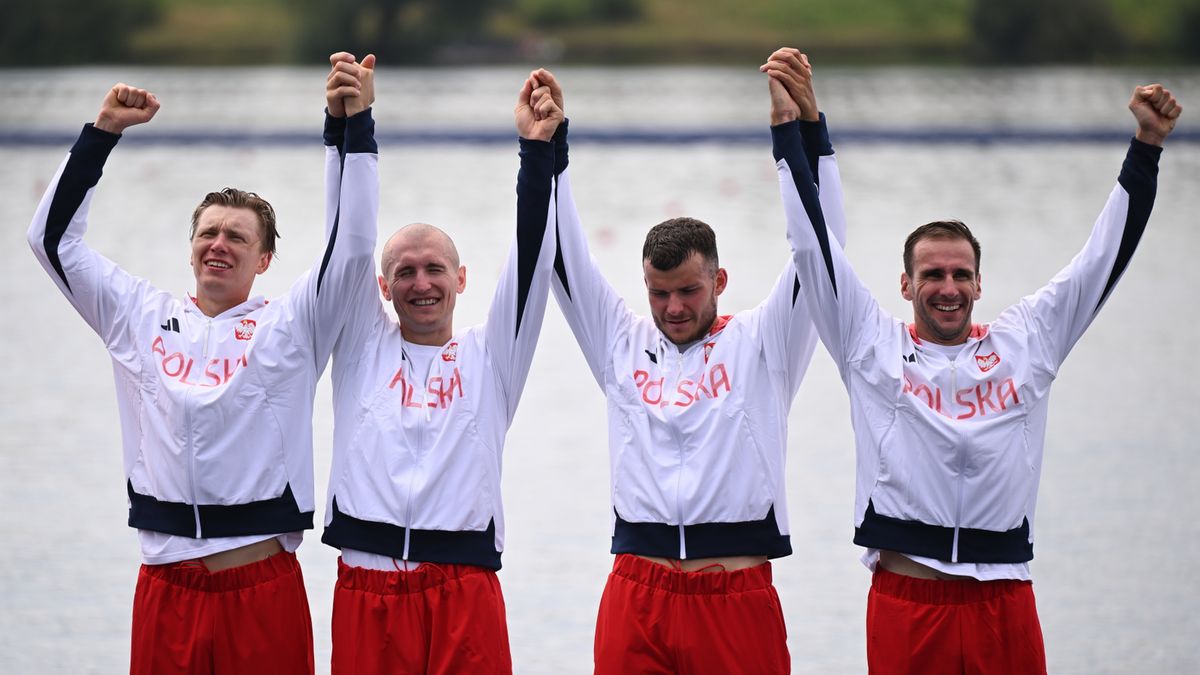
{"points": [[413, 234]]}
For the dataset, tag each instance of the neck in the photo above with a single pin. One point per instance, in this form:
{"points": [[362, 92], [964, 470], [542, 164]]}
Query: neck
{"points": [[210, 306], [428, 339]]}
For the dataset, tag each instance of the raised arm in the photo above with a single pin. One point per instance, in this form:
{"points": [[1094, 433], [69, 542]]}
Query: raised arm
{"points": [[841, 308], [788, 328], [100, 291], [591, 306], [341, 287], [1061, 311], [519, 305]]}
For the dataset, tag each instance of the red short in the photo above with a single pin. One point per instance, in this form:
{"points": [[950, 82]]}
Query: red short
{"points": [[654, 619], [437, 619], [952, 627], [248, 619]]}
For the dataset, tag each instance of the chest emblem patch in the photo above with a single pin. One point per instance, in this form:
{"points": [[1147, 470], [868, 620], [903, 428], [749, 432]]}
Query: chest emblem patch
{"points": [[988, 362], [450, 353], [245, 329], [708, 347]]}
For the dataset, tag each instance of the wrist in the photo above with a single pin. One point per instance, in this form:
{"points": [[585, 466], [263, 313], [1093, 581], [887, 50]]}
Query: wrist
{"points": [[783, 117], [108, 124], [1150, 137]]}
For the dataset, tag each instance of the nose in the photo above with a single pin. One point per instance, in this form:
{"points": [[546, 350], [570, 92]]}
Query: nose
{"points": [[947, 287], [221, 241], [675, 305], [421, 282]]}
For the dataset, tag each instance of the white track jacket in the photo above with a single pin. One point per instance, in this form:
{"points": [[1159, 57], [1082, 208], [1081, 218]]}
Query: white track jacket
{"points": [[416, 464], [697, 439], [216, 412], [949, 453]]}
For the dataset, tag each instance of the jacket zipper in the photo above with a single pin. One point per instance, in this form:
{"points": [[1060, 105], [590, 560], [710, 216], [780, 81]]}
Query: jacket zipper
{"points": [[187, 421], [679, 445], [416, 454], [962, 461]]}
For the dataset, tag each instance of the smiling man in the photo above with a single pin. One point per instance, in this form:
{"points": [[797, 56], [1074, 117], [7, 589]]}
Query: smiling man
{"points": [[697, 412], [950, 416], [215, 393], [421, 411]]}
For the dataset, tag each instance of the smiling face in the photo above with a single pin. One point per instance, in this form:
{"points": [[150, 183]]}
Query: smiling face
{"points": [[422, 279], [943, 288], [227, 253], [683, 299]]}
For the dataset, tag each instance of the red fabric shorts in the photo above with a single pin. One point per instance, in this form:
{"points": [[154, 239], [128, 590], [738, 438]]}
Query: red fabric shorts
{"points": [[248, 619], [437, 619], [654, 619], [952, 627]]}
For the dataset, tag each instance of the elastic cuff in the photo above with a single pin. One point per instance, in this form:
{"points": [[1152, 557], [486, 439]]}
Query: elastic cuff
{"points": [[94, 144], [360, 133], [335, 130]]}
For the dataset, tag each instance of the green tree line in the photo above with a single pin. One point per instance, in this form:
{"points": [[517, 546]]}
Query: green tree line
{"points": [[215, 32]]}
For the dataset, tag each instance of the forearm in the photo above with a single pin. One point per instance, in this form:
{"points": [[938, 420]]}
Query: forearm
{"points": [[62, 214]]}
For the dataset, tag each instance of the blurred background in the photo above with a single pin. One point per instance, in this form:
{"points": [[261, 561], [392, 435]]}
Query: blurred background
{"points": [[258, 32], [1008, 115]]}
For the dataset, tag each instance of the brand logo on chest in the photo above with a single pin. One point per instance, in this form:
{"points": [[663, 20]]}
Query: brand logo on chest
{"points": [[450, 353]]}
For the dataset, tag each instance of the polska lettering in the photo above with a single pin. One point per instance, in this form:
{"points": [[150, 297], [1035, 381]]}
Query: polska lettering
{"points": [[687, 391], [182, 367], [435, 395], [982, 399]]}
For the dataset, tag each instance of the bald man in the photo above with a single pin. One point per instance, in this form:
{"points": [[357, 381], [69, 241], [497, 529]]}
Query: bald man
{"points": [[420, 416]]}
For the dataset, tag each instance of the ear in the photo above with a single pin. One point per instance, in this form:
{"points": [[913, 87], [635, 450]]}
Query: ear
{"points": [[906, 286], [722, 279], [462, 278], [264, 261], [978, 286], [384, 288]]}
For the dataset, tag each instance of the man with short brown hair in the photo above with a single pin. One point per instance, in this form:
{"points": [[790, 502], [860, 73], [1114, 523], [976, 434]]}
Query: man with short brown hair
{"points": [[950, 416], [215, 394]]}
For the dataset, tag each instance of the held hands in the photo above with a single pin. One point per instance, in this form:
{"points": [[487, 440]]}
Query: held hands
{"points": [[539, 108], [791, 86], [350, 87], [125, 106], [1156, 110]]}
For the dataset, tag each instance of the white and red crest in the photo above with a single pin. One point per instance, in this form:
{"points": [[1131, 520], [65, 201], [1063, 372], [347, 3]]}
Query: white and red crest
{"points": [[708, 347], [245, 329], [988, 362], [450, 353]]}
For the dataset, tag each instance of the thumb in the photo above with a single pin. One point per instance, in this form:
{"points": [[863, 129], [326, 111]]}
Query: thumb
{"points": [[368, 62]]}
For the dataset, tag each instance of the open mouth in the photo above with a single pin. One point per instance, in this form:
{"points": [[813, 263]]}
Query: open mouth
{"points": [[424, 302], [947, 308], [217, 265]]}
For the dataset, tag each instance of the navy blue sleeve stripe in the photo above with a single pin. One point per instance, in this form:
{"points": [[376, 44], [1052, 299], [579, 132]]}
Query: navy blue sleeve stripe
{"points": [[787, 145], [81, 174], [560, 265], [533, 208], [560, 165], [359, 137], [815, 136], [1139, 177]]}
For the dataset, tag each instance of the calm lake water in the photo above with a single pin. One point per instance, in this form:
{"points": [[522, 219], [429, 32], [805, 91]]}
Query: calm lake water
{"points": [[1118, 524]]}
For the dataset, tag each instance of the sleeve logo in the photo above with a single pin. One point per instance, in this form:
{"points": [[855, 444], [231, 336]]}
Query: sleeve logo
{"points": [[988, 362], [245, 329]]}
